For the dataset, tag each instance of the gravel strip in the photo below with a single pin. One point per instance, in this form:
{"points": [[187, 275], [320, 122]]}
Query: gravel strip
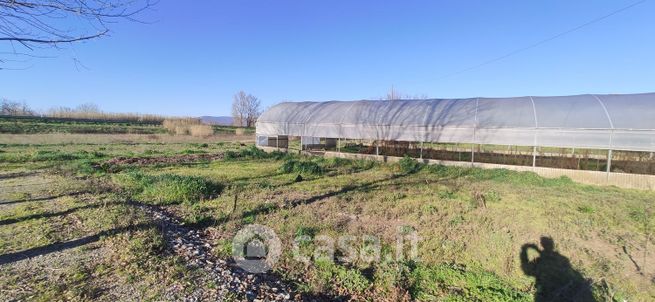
{"points": [[231, 281]]}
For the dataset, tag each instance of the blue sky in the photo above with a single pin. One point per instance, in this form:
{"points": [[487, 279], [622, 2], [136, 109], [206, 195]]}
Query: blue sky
{"points": [[199, 53]]}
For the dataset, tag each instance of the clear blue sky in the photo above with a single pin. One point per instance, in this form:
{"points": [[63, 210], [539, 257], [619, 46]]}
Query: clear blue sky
{"points": [[199, 53]]}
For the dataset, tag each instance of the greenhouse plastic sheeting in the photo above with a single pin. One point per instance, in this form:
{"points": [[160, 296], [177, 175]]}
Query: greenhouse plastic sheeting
{"points": [[620, 122]]}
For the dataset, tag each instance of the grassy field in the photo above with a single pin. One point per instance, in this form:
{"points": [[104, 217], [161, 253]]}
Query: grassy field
{"points": [[72, 202], [40, 125], [32, 125]]}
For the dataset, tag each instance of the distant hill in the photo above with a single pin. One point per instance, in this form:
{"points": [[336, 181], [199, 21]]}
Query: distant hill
{"points": [[217, 120]]}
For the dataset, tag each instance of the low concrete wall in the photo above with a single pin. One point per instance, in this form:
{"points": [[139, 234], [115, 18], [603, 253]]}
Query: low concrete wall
{"points": [[271, 149], [622, 180]]}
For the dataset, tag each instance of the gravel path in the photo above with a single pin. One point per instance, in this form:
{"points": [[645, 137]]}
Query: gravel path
{"points": [[230, 280]]}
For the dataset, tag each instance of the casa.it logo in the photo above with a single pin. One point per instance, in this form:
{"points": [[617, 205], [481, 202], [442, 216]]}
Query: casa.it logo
{"points": [[256, 248]]}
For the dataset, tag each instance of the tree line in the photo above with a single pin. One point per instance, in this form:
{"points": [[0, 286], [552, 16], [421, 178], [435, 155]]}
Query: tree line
{"points": [[87, 111], [246, 109]]}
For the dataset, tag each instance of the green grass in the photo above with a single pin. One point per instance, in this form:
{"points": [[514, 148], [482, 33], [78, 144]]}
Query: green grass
{"points": [[49, 156], [166, 188], [467, 251], [128, 254], [32, 125], [448, 282], [303, 166]]}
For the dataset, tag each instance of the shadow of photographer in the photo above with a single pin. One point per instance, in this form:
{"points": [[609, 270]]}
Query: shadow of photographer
{"points": [[556, 280]]}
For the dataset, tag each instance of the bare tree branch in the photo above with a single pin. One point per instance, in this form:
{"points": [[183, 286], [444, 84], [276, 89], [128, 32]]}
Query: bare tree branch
{"points": [[38, 24], [54, 41]]}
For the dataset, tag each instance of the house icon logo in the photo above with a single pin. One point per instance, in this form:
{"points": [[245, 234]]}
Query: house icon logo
{"points": [[256, 248]]}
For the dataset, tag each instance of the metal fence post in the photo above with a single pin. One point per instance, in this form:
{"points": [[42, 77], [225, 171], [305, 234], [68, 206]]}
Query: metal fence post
{"points": [[534, 156], [421, 150], [609, 162]]}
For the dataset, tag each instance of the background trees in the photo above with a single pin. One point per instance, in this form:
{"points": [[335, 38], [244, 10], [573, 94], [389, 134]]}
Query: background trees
{"points": [[246, 108], [15, 108]]}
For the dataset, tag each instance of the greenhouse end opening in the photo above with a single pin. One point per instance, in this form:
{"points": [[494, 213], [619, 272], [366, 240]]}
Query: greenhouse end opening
{"points": [[596, 139]]}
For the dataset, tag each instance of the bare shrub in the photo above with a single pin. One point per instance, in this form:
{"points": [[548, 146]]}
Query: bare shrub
{"points": [[202, 130], [182, 130], [188, 126]]}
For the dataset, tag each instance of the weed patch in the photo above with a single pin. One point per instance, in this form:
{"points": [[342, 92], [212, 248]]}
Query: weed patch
{"points": [[454, 282], [499, 175], [408, 165], [331, 275], [304, 166], [167, 188], [252, 152]]}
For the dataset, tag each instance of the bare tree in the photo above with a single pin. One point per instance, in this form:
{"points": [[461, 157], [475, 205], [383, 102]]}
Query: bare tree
{"points": [[394, 95], [246, 109], [253, 111], [239, 108], [15, 108], [88, 108], [38, 23]]}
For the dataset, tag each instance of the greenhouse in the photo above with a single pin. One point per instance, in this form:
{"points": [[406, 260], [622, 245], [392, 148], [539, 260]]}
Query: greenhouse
{"points": [[613, 132]]}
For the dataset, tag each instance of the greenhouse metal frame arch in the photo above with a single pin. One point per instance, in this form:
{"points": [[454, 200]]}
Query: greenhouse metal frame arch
{"points": [[609, 122]]}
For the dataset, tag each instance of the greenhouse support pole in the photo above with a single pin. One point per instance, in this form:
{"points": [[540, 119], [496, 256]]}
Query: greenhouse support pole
{"points": [[534, 156], [609, 162], [421, 150], [377, 148], [339, 144], [277, 142], [301, 144], [472, 154]]}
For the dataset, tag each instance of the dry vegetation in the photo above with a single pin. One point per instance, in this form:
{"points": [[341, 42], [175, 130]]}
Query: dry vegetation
{"points": [[188, 126], [105, 116]]}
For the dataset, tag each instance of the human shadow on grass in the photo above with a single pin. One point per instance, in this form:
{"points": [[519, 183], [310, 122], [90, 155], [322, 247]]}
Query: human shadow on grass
{"points": [[556, 279], [61, 246], [53, 214]]}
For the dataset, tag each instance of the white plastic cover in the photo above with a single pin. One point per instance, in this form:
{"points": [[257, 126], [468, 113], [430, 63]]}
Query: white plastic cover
{"points": [[620, 122]]}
